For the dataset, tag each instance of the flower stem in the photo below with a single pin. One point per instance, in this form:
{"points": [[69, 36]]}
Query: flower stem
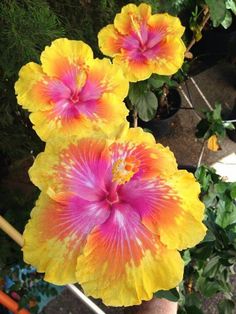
{"points": [[135, 118], [201, 26]]}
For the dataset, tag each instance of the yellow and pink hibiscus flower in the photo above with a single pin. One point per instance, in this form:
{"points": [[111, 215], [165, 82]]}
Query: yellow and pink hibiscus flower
{"points": [[142, 43], [112, 215], [70, 88]]}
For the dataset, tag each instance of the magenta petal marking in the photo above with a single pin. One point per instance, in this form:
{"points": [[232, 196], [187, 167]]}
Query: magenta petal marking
{"points": [[84, 169], [79, 216], [91, 91], [57, 90], [142, 195]]}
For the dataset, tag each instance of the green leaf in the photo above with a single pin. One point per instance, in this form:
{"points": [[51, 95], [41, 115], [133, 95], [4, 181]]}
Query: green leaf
{"points": [[146, 106], [226, 213], [227, 20], [233, 190], [208, 287], [171, 295], [231, 5], [186, 257], [217, 11], [226, 307], [158, 81], [217, 112], [136, 90], [212, 267], [221, 187], [192, 299], [229, 125], [193, 310], [202, 128]]}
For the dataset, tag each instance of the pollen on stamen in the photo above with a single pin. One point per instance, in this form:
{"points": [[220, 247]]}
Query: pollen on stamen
{"points": [[124, 169]]}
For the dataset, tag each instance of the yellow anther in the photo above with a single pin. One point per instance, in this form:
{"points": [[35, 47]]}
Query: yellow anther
{"points": [[124, 169]]}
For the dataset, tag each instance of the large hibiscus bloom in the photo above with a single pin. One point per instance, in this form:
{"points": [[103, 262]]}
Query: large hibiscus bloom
{"points": [[70, 88], [112, 215], [142, 43]]}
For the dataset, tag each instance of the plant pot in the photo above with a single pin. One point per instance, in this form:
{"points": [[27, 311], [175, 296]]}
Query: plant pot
{"points": [[232, 133], [189, 168], [162, 124]]}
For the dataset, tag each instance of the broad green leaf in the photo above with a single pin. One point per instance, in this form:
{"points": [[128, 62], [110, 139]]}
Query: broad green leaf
{"points": [[221, 187], [192, 299], [208, 287], [217, 11], [212, 267], [227, 20], [231, 5], [233, 190], [146, 106], [158, 81], [226, 307], [136, 90], [171, 295], [226, 213]]}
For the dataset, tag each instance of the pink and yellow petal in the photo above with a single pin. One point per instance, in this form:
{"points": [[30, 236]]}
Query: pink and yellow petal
{"points": [[134, 70], [108, 78], [111, 111], [58, 58], [109, 40], [156, 160], [43, 125], [175, 215], [131, 18], [56, 233], [166, 24], [123, 263], [78, 167], [30, 88], [170, 56]]}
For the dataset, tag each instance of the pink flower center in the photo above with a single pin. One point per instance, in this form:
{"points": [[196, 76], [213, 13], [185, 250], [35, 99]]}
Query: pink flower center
{"points": [[74, 97], [143, 42], [113, 196]]}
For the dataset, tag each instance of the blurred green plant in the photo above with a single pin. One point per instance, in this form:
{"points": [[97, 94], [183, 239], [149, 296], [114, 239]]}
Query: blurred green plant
{"points": [[212, 127], [210, 265]]}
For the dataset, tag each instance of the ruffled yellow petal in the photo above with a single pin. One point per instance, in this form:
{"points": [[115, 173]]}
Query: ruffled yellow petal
{"points": [[108, 40], [180, 219], [123, 264], [131, 17], [44, 249], [110, 78], [171, 25], [63, 53], [170, 57], [134, 70], [43, 125], [56, 234], [138, 136], [29, 88], [47, 127]]}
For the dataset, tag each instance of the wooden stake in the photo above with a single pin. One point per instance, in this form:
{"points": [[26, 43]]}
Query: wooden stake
{"points": [[12, 232]]}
